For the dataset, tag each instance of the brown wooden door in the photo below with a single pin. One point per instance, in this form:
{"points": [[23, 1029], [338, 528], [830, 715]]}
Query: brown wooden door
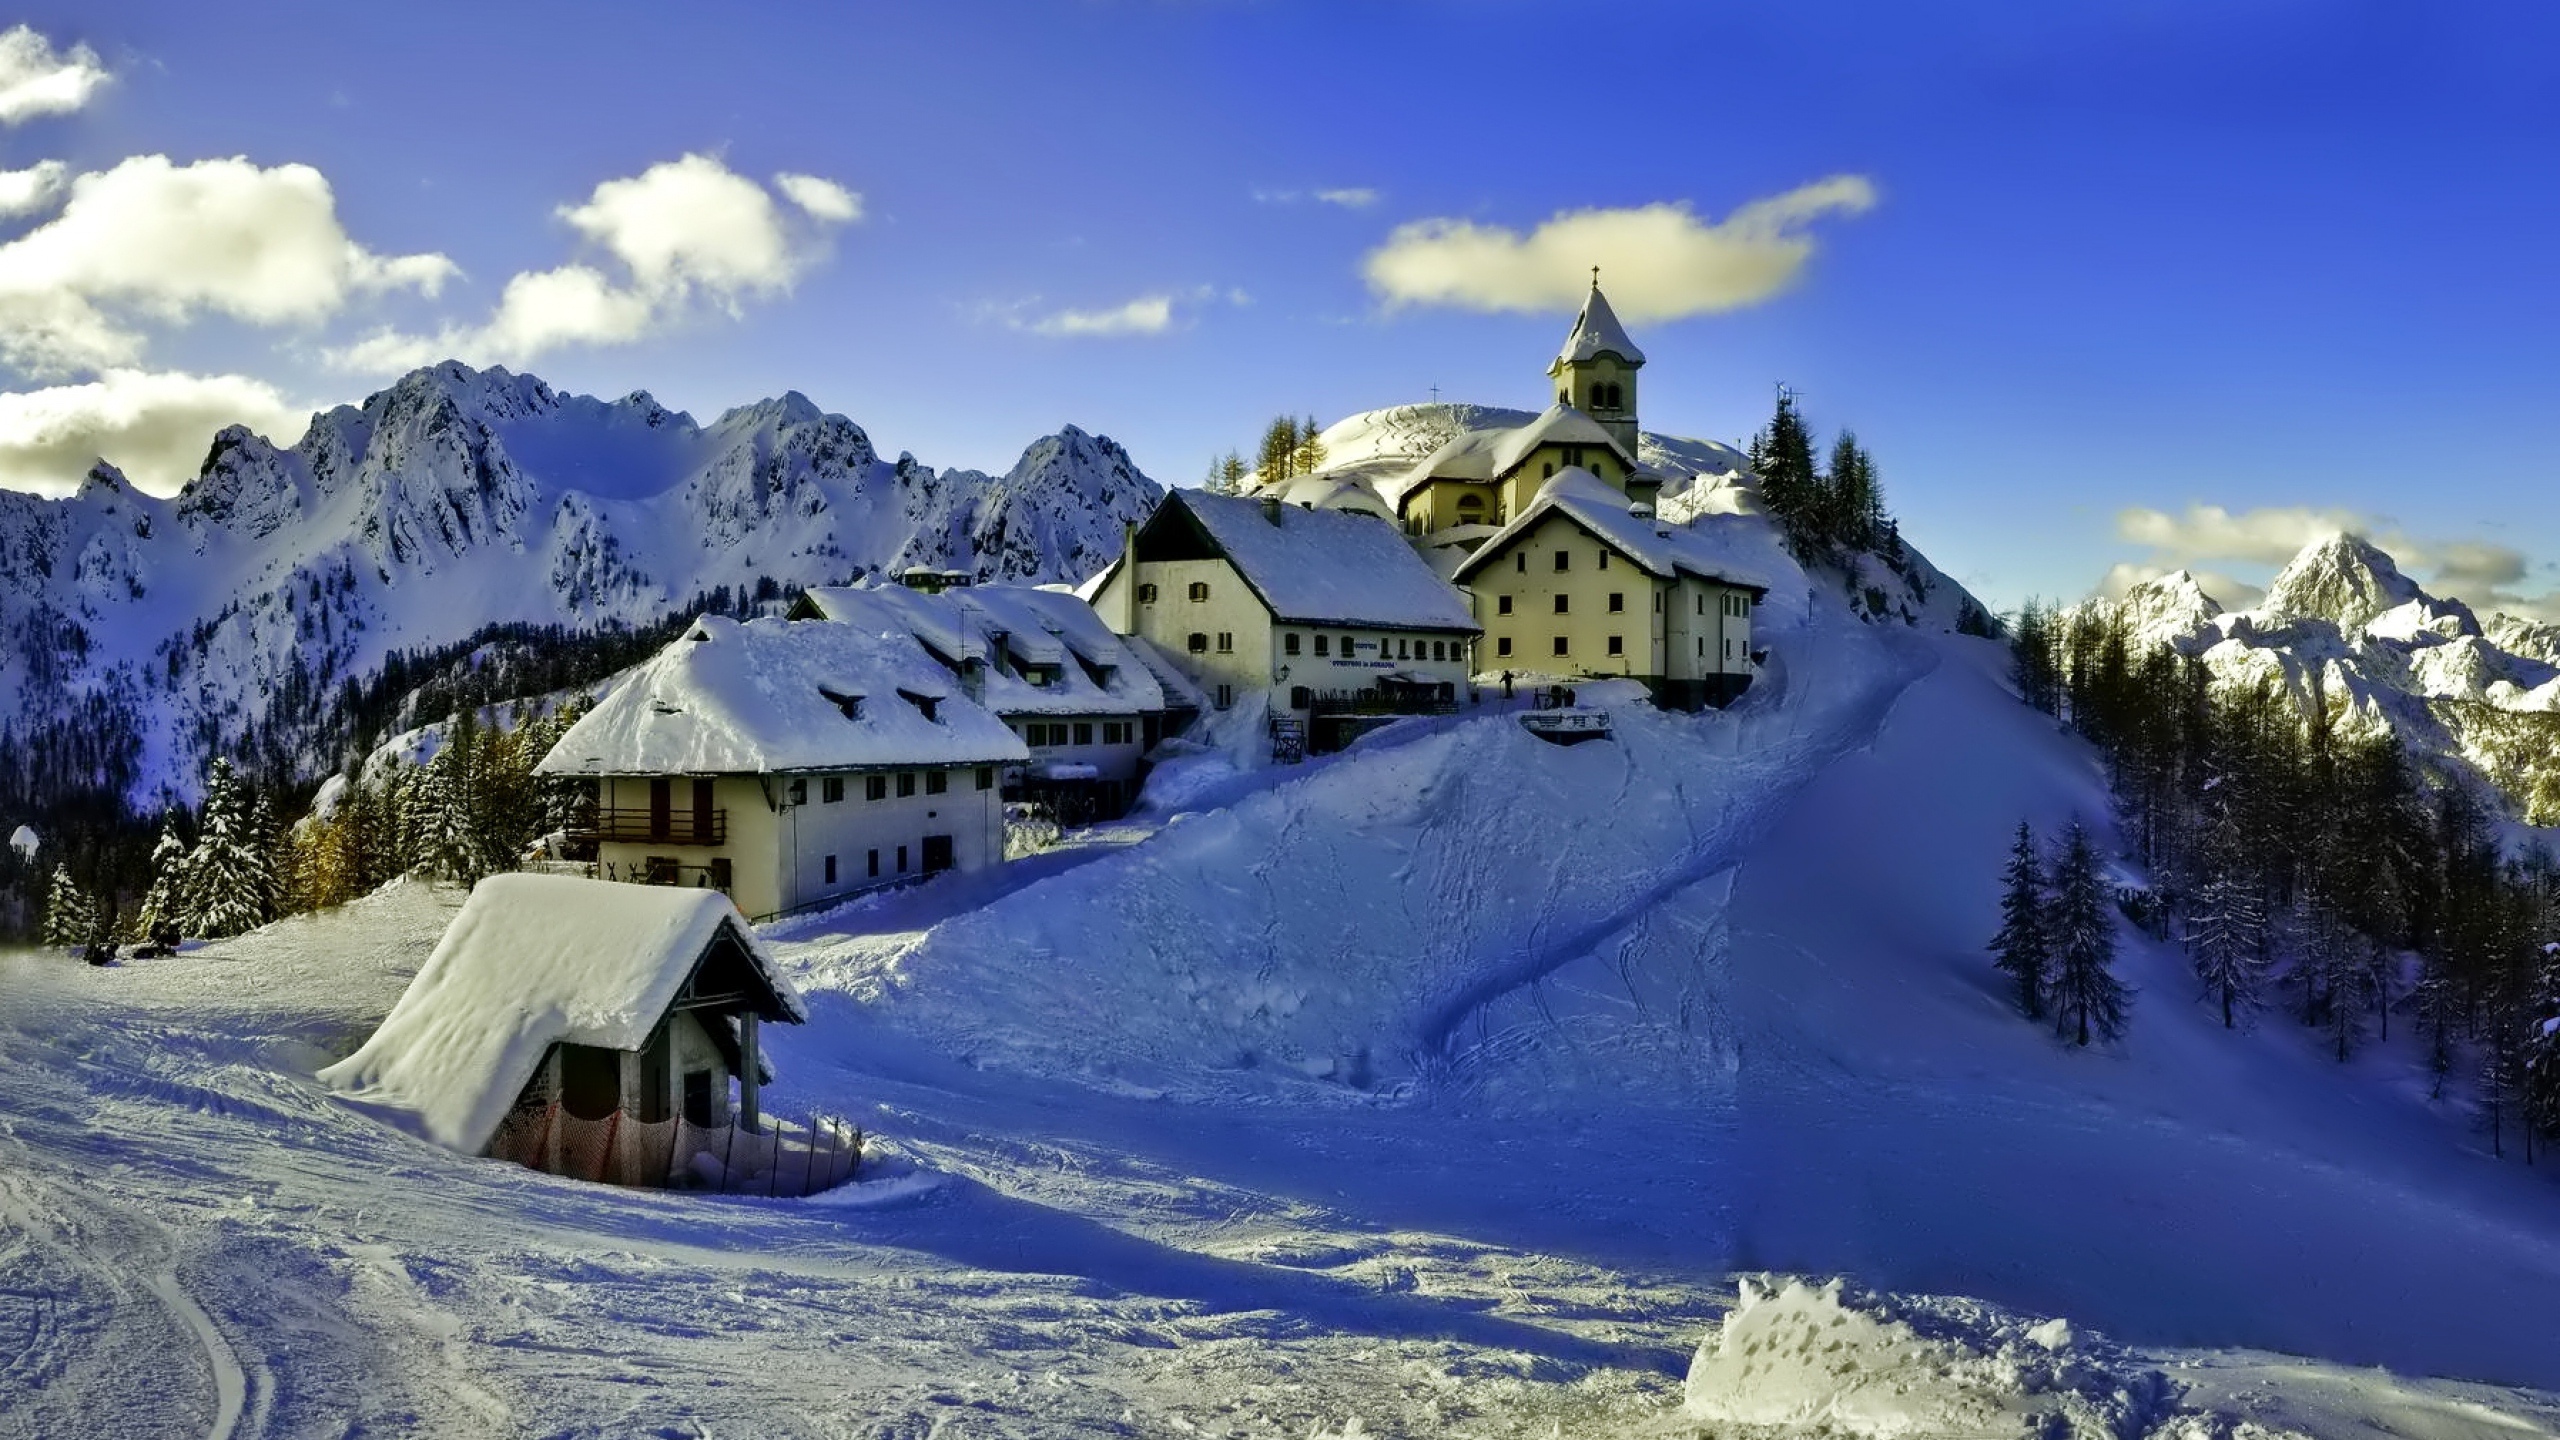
{"points": [[662, 799], [937, 854], [702, 812]]}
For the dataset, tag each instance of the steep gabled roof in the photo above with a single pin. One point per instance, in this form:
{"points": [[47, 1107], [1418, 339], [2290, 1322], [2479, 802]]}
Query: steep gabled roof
{"points": [[1596, 332], [1322, 567], [1050, 628], [1493, 454], [1657, 547], [770, 697], [534, 960]]}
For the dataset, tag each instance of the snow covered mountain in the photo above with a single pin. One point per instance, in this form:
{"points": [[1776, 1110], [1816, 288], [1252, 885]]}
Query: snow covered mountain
{"points": [[460, 498], [2341, 621]]}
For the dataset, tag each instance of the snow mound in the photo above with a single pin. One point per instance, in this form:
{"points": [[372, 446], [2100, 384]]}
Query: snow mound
{"points": [[1793, 1358]]}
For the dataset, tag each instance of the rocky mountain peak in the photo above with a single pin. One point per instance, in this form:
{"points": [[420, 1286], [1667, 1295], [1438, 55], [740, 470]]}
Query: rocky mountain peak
{"points": [[2344, 579]]}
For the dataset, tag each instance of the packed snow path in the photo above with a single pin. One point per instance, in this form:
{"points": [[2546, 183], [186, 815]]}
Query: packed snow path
{"points": [[1439, 1087]]}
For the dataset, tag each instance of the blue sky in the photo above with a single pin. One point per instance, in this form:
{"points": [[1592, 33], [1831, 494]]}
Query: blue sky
{"points": [[2291, 260]]}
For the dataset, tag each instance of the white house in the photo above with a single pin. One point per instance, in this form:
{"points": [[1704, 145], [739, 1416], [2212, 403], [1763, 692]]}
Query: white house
{"points": [[1087, 707], [1582, 582], [601, 999], [1313, 605], [789, 765]]}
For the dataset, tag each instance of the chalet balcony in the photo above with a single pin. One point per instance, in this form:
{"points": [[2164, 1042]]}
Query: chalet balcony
{"points": [[649, 825]]}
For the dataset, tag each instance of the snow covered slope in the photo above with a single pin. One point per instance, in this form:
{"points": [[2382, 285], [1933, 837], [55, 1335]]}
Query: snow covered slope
{"points": [[1455, 1084], [2342, 620], [458, 498]]}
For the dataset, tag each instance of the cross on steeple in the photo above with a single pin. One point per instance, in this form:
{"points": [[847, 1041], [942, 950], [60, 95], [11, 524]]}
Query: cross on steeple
{"points": [[1595, 277]]}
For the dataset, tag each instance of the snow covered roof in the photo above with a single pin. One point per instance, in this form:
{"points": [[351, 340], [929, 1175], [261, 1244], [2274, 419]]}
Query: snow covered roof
{"points": [[1560, 425], [770, 696], [1492, 454], [1596, 332], [1320, 567], [532, 961], [1659, 547], [1088, 670], [1334, 490]]}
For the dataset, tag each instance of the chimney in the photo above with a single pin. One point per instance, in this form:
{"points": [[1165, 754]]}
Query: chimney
{"points": [[996, 655], [1128, 606], [973, 680], [1271, 508]]}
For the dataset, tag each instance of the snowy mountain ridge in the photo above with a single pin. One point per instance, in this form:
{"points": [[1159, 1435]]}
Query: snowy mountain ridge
{"points": [[2342, 621], [459, 498]]}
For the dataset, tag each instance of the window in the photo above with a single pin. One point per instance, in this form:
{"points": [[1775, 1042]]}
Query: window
{"points": [[1502, 605], [799, 792], [986, 777], [1084, 732], [1702, 647], [1404, 648], [1439, 650], [1226, 642], [1520, 562], [1617, 645], [1324, 644], [831, 869], [1657, 602], [1547, 471], [1198, 644], [1562, 604], [1147, 594], [937, 782], [1562, 398], [1564, 562], [1199, 590], [1604, 559], [875, 787], [1617, 602], [1346, 647], [1289, 643], [1502, 646], [1300, 697], [1226, 696], [902, 859], [831, 789], [906, 787], [1560, 645], [875, 864]]}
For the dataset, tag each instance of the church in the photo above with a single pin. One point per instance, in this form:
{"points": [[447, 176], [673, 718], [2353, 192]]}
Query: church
{"points": [[1479, 481]]}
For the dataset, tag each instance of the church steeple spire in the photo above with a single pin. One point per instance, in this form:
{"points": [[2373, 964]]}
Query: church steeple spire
{"points": [[1595, 372]]}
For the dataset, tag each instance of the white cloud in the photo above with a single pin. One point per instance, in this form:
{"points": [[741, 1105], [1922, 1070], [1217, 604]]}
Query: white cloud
{"points": [[36, 79], [1348, 197], [682, 234], [1146, 315], [24, 192], [824, 199], [153, 425], [1659, 261], [2481, 573], [165, 242]]}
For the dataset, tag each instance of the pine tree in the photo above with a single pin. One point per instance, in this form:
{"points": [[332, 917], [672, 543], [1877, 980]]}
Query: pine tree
{"points": [[162, 916], [68, 916], [2023, 948], [1278, 457], [227, 874], [2087, 996], [1308, 457], [2227, 933], [2541, 1064], [1782, 456]]}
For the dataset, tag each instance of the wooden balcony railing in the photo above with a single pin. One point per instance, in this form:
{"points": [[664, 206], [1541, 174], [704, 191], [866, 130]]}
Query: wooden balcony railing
{"points": [[648, 825]]}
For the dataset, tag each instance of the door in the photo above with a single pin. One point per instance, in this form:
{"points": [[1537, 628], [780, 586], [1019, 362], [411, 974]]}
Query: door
{"points": [[657, 1075], [590, 1081], [937, 854], [697, 1097], [662, 795], [702, 812]]}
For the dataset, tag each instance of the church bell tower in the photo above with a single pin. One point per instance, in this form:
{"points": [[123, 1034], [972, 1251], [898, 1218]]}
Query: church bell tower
{"points": [[1595, 372]]}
